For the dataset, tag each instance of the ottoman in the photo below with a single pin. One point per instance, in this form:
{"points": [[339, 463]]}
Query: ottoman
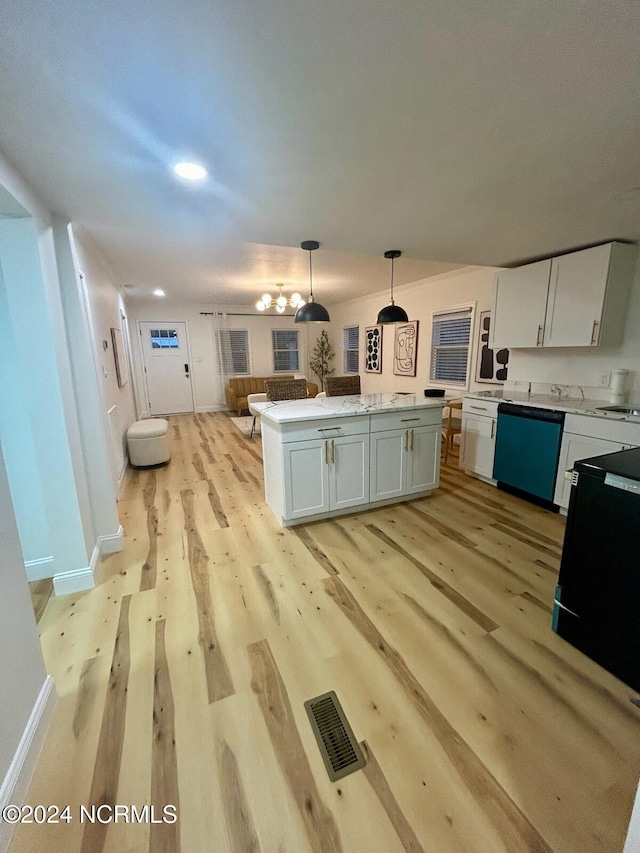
{"points": [[148, 442]]}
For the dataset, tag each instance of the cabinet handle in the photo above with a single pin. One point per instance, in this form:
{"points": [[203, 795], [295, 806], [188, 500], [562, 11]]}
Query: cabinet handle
{"points": [[538, 339], [326, 453], [328, 429], [406, 439], [594, 338], [493, 427], [333, 451], [479, 408], [411, 448], [408, 420]]}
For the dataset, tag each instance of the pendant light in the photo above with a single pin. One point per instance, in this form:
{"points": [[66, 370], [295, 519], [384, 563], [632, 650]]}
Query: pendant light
{"points": [[392, 313], [312, 312]]}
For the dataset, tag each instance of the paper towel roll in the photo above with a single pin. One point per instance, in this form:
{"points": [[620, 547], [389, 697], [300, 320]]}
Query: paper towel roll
{"points": [[619, 386]]}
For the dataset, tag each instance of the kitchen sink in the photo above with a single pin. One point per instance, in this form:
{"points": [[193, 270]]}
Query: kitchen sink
{"points": [[622, 410]]}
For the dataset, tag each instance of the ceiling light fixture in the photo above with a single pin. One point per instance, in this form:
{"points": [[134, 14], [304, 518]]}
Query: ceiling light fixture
{"points": [[392, 313], [190, 171], [159, 292], [280, 302], [312, 312]]}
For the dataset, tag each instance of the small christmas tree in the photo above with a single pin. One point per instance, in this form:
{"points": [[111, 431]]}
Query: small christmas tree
{"points": [[322, 355]]}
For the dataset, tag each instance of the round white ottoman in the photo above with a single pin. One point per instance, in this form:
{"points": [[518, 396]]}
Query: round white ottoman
{"points": [[148, 442]]}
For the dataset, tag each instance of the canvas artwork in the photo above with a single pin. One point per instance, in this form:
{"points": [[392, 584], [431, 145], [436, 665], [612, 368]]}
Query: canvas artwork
{"points": [[491, 366], [373, 349], [120, 358], [406, 349]]}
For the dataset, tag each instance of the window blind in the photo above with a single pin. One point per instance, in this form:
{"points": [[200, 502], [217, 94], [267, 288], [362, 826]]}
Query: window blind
{"points": [[350, 346], [285, 350], [450, 339], [233, 347]]}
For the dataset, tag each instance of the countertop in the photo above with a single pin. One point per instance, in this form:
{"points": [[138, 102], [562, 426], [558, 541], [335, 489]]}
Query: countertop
{"points": [[313, 409], [559, 404]]}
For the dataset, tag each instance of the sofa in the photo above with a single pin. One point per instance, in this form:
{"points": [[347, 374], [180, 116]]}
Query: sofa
{"points": [[240, 386]]}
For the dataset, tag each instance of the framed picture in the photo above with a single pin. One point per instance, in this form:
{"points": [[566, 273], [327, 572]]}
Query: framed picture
{"points": [[373, 349], [405, 355], [491, 366], [120, 357]]}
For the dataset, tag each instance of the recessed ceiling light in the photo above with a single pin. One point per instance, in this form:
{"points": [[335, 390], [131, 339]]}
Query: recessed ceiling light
{"points": [[190, 171], [159, 292]]}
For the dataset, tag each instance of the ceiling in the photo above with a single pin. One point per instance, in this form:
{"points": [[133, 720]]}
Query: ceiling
{"points": [[474, 132]]}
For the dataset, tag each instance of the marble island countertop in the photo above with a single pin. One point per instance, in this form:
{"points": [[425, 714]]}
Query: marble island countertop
{"points": [[574, 406], [313, 409]]}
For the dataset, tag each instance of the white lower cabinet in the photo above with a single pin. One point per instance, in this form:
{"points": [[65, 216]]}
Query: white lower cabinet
{"points": [[316, 468], [325, 474], [478, 439], [306, 478], [573, 448], [423, 459], [404, 461]]}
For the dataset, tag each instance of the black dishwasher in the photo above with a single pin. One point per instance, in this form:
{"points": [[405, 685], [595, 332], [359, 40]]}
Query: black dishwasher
{"points": [[527, 451]]}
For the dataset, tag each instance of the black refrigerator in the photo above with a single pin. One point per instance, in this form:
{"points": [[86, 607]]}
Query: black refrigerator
{"points": [[597, 603]]}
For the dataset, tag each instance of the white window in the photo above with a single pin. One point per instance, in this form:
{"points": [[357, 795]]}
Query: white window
{"points": [[350, 346], [285, 350], [450, 346], [233, 349]]}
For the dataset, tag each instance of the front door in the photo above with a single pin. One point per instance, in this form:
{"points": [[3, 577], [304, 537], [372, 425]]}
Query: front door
{"points": [[167, 368]]}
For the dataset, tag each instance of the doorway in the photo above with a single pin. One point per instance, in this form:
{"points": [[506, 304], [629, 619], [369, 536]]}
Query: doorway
{"points": [[167, 367]]}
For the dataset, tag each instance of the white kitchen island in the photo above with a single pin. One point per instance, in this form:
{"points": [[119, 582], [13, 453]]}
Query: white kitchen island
{"points": [[329, 456]]}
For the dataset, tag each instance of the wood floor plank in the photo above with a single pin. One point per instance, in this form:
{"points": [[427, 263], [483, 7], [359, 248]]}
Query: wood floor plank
{"points": [[219, 679], [512, 825], [380, 785], [274, 702], [165, 789], [150, 565], [104, 787], [444, 588]]}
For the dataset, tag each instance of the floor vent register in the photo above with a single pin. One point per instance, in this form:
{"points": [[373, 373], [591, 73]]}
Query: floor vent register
{"points": [[338, 745]]}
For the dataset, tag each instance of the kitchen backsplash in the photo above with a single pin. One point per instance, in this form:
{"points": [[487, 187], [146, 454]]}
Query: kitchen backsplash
{"points": [[564, 392]]}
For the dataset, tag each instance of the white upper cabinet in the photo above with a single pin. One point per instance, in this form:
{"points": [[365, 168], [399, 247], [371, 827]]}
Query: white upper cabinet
{"points": [[520, 306], [575, 300]]}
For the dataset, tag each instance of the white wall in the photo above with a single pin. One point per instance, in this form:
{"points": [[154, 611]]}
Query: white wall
{"points": [[419, 299], [107, 310], [45, 375], [22, 672], [583, 365], [207, 386], [21, 457]]}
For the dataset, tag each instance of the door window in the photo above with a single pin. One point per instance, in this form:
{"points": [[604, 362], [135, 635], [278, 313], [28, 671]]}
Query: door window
{"points": [[164, 339]]}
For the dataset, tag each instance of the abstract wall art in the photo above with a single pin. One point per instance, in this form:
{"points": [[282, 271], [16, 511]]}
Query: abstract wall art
{"points": [[373, 349], [406, 349], [491, 365]]}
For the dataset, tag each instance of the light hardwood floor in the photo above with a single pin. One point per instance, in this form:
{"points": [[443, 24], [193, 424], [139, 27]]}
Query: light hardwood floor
{"points": [[182, 677]]}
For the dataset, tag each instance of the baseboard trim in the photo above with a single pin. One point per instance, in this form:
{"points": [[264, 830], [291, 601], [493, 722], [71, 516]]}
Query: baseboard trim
{"points": [[217, 408], [38, 569], [109, 543], [16, 782], [77, 580]]}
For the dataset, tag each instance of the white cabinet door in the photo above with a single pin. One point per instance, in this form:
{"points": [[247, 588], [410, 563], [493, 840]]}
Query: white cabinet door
{"points": [[388, 464], [423, 459], [306, 477], [348, 471], [520, 305], [478, 444], [576, 298], [573, 448]]}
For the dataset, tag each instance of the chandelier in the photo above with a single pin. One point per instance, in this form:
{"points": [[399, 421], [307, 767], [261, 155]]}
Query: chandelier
{"points": [[280, 302]]}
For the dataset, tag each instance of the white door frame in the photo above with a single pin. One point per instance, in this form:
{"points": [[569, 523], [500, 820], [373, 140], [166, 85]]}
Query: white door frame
{"points": [[147, 400]]}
